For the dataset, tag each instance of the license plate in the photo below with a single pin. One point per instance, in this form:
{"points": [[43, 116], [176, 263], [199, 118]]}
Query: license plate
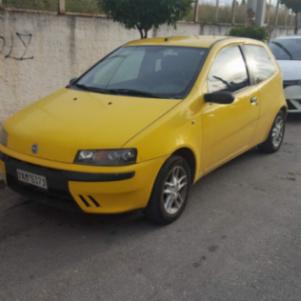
{"points": [[32, 179]]}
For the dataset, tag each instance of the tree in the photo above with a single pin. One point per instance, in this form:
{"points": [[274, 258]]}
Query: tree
{"points": [[146, 14], [295, 6]]}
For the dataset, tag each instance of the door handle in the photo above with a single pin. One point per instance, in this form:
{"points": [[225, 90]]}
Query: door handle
{"points": [[253, 101]]}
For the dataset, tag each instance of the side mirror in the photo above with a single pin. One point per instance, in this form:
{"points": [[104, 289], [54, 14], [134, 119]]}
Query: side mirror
{"points": [[221, 97]]}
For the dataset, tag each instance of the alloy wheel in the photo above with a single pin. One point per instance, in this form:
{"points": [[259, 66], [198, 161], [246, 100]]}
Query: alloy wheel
{"points": [[175, 190], [278, 131]]}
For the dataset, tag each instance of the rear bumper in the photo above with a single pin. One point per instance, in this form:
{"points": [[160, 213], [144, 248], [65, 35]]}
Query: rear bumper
{"points": [[100, 191]]}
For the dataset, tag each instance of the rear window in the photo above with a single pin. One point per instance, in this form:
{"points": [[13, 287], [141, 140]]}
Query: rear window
{"points": [[286, 49], [259, 62]]}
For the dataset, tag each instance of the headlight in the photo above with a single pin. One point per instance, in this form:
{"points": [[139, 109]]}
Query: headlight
{"points": [[111, 157], [3, 135]]}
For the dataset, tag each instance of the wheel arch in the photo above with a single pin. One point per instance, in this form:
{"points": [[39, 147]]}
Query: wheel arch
{"points": [[284, 109], [189, 155]]}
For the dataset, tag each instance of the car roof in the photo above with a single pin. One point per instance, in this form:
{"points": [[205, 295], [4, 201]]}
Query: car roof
{"points": [[190, 41], [287, 38]]}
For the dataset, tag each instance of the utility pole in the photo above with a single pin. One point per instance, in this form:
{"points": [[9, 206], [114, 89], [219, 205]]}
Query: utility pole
{"points": [[62, 7], [260, 12], [233, 15], [217, 11], [277, 13], [256, 12], [196, 11], [268, 12], [251, 9]]}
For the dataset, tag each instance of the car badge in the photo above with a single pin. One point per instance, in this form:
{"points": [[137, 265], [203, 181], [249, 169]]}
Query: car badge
{"points": [[34, 149]]}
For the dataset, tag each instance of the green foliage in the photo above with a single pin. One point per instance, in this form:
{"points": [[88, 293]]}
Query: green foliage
{"points": [[253, 32], [295, 5], [145, 14]]}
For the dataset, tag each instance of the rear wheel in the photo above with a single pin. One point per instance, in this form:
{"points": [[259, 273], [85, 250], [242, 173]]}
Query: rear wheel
{"points": [[276, 135], [170, 192]]}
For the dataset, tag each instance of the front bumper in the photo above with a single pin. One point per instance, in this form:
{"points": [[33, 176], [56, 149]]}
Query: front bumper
{"points": [[292, 91], [103, 191]]}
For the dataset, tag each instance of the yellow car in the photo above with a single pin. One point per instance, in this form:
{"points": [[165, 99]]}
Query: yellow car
{"points": [[145, 123]]}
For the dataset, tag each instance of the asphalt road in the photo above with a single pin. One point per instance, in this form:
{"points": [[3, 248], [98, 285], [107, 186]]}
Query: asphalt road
{"points": [[239, 239]]}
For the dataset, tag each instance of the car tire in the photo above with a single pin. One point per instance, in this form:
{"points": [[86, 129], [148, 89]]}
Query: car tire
{"points": [[170, 193], [276, 135]]}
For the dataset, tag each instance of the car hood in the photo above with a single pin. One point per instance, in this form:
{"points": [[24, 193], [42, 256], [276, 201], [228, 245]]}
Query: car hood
{"points": [[291, 70], [70, 120]]}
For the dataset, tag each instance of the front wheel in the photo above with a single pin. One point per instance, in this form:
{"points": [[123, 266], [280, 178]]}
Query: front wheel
{"points": [[276, 135], [170, 192]]}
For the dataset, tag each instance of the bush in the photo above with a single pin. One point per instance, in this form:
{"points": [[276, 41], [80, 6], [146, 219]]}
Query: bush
{"points": [[253, 32]]}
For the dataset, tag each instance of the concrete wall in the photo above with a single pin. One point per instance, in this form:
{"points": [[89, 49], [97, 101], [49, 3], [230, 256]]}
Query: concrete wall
{"points": [[40, 52]]}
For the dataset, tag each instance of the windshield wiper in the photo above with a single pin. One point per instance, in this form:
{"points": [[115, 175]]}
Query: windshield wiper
{"points": [[89, 88], [132, 92], [284, 49], [129, 92]]}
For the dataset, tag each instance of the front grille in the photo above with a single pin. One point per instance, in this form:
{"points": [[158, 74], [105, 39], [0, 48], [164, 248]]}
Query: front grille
{"points": [[290, 106], [288, 83], [294, 105]]}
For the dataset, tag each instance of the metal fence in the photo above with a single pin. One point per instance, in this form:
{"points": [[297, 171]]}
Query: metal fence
{"points": [[60, 6], [49, 5], [205, 12], [237, 12], [86, 6]]}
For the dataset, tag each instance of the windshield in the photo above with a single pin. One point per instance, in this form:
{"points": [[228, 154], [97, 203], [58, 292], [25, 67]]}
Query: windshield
{"points": [[145, 71], [286, 49]]}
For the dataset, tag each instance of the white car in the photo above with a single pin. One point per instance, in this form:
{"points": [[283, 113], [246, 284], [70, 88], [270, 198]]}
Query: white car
{"points": [[287, 51]]}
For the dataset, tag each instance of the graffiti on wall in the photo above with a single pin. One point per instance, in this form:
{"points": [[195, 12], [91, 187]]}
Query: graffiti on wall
{"points": [[17, 46]]}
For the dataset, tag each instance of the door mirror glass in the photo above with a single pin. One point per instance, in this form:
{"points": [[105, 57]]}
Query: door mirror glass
{"points": [[220, 97]]}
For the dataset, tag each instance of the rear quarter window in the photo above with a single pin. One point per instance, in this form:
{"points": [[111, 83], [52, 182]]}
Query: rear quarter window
{"points": [[259, 62]]}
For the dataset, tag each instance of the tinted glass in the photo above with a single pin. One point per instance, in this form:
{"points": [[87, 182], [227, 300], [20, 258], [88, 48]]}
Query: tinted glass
{"points": [[286, 49], [259, 62], [229, 72], [150, 71]]}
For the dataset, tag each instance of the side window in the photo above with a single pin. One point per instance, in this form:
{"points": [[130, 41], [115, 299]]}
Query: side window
{"points": [[229, 72], [259, 62]]}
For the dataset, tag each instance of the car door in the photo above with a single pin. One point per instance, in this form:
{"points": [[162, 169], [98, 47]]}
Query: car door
{"points": [[227, 130], [263, 70]]}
